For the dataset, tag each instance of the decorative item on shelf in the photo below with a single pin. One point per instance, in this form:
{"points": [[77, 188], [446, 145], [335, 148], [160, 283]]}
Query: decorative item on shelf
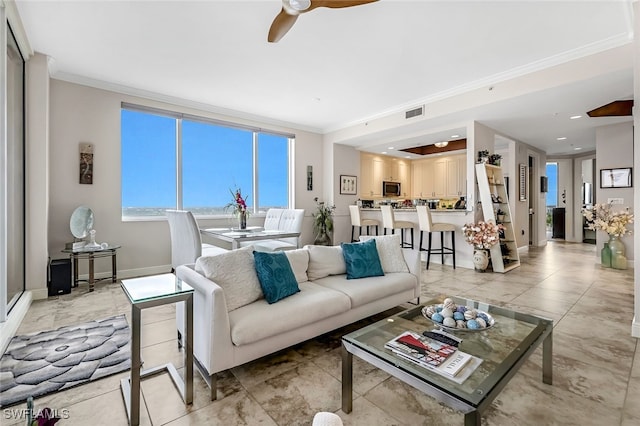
{"points": [[323, 223], [239, 207], [500, 215], [601, 217], [482, 236], [605, 255], [494, 159], [483, 156]]}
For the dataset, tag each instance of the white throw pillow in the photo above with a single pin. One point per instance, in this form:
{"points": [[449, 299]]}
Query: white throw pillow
{"points": [[235, 272], [325, 261], [390, 252], [299, 260]]}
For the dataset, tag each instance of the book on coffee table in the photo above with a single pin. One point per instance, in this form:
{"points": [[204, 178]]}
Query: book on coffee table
{"points": [[444, 359]]}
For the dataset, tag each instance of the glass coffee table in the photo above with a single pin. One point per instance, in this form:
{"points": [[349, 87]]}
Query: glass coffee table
{"points": [[503, 348]]}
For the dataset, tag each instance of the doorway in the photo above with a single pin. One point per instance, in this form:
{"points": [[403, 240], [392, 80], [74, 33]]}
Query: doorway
{"points": [[532, 198]]}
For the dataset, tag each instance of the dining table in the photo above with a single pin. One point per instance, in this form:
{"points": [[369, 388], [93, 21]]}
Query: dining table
{"points": [[237, 236]]}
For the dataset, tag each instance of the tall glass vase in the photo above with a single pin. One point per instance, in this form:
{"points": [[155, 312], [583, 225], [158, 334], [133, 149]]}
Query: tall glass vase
{"points": [[618, 258], [242, 220], [605, 256]]}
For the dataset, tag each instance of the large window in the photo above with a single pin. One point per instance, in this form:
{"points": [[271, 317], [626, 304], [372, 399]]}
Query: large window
{"points": [[172, 160]]}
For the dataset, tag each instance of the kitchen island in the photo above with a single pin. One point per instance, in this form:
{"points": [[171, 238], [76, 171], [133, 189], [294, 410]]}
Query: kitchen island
{"points": [[464, 251]]}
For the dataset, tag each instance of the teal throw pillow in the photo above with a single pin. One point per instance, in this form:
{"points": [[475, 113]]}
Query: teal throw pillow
{"points": [[362, 260], [275, 275]]}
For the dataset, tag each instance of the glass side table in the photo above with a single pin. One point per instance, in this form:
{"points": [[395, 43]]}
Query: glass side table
{"points": [[92, 253], [147, 292]]}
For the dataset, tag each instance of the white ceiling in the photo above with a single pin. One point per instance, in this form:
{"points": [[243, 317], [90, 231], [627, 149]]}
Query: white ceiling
{"points": [[340, 67]]}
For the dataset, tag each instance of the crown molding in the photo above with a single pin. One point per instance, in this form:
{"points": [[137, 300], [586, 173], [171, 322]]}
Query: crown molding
{"points": [[542, 64], [173, 100]]}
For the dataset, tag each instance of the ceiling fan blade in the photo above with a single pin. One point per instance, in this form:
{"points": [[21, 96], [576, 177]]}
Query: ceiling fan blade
{"points": [[281, 25], [613, 109], [335, 4]]}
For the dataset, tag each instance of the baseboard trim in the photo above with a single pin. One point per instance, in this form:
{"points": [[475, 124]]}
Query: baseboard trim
{"points": [[10, 326], [131, 273], [635, 327]]}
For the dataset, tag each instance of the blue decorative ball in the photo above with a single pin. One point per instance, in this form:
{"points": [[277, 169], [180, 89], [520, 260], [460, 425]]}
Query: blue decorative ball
{"points": [[461, 309], [473, 324], [437, 317], [438, 308], [484, 316], [458, 316]]}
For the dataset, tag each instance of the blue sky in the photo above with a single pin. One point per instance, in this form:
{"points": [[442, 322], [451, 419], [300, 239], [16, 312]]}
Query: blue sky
{"points": [[215, 159], [552, 175]]}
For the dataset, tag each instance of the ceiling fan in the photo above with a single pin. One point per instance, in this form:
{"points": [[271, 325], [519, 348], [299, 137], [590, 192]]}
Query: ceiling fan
{"points": [[292, 8]]}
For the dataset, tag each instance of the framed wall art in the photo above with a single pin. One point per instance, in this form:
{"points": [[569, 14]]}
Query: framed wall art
{"points": [[348, 185], [615, 178]]}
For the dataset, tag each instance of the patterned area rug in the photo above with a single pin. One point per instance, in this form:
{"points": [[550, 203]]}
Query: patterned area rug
{"points": [[40, 363]]}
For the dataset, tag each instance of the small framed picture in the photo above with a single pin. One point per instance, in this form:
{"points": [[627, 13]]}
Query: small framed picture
{"points": [[615, 178], [348, 185]]}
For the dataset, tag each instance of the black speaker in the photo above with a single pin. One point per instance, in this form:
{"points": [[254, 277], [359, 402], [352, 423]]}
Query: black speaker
{"points": [[59, 277]]}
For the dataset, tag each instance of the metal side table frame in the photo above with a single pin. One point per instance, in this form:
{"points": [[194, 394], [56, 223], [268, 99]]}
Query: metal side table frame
{"points": [[148, 292]]}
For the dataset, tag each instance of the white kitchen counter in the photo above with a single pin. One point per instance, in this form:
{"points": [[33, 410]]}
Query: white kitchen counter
{"points": [[464, 251]]}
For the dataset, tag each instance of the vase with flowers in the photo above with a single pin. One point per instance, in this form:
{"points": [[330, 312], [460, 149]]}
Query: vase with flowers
{"points": [[239, 207], [601, 217], [323, 223], [482, 236]]}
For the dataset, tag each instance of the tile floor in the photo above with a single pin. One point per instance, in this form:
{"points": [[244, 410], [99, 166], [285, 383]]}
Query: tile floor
{"points": [[596, 373]]}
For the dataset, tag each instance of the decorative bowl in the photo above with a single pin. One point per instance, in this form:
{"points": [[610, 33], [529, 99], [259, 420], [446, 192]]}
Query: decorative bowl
{"points": [[490, 321]]}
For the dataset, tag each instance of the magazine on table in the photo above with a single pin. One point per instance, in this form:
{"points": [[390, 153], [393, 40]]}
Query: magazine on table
{"points": [[437, 356]]}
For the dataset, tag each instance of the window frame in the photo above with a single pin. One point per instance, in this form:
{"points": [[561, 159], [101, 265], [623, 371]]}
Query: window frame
{"points": [[257, 131]]}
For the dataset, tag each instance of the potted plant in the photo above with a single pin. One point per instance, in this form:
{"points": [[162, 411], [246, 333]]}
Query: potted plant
{"points": [[482, 236], [483, 156], [323, 223], [494, 159], [500, 214]]}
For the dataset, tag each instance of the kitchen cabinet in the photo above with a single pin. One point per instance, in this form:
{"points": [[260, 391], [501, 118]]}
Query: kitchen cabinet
{"points": [[399, 171], [372, 169], [456, 176]]}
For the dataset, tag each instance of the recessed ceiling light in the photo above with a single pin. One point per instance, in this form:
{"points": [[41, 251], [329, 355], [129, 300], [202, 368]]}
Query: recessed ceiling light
{"points": [[577, 148], [573, 117], [408, 156], [441, 144], [390, 147], [384, 152], [562, 138], [455, 136]]}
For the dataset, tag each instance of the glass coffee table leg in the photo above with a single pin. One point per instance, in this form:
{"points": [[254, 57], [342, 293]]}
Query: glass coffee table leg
{"points": [[472, 418], [347, 380], [547, 359]]}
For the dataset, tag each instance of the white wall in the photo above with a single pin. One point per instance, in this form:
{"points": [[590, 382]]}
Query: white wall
{"points": [[84, 114], [614, 149], [346, 161]]}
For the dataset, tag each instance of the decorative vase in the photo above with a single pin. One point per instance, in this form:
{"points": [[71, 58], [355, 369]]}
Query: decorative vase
{"points": [[605, 256], [618, 258], [242, 220], [323, 238], [480, 259]]}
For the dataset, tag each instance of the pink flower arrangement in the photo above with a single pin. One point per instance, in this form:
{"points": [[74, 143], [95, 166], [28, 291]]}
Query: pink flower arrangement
{"points": [[482, 235], [239, 205]]}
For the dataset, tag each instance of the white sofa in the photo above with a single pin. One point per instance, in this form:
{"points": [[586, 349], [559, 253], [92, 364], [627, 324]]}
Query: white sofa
{"points": [[327, 300]]}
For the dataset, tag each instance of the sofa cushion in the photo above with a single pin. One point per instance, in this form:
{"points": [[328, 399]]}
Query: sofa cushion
{"points": [[235, 272], [370, 289], [325, 261], [361, 259], [260, 320], [299, 260], [275, 275], [389, 251]]}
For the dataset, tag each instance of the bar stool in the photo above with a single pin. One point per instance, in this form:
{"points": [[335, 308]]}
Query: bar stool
{"points": [[389, 222], [426, 225], [356, 220]]}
